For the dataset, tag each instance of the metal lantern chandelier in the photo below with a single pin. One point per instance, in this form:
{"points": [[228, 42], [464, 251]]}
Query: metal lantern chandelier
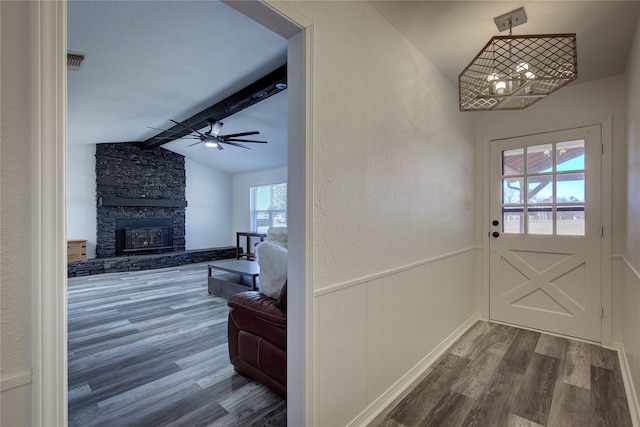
{"points": [[514, 72]]}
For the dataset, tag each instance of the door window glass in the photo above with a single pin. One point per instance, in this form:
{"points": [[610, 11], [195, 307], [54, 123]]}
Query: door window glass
{"points": [[540, 219], [539, 158], [513, 220], [512, 191], [570, 156], [553, 177], [540, 189], [570, 220], [570, 187], [513, 162]]}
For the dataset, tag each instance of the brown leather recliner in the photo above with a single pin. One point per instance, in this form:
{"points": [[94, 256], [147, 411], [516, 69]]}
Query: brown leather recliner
{"points": [[258, 337]]}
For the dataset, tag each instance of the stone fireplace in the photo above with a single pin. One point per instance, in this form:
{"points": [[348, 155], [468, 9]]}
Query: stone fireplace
{"points": [[139, 194], [141, 200]]}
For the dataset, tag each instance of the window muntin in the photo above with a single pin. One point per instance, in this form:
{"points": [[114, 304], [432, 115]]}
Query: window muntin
{"points": [[268, 207], [553, 176]]}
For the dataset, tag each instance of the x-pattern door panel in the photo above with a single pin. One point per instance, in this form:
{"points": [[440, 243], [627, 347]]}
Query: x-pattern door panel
{"points": [[545, 233]]}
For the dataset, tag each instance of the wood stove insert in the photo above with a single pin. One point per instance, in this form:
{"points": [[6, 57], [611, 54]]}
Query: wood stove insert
{"points": [[143, 235]]}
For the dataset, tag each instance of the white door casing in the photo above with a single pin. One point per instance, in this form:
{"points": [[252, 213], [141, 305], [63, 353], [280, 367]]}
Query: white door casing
{"points": [[546, 232]]}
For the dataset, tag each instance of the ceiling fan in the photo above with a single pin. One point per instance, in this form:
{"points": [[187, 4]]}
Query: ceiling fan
{"points": [[213, 139]]}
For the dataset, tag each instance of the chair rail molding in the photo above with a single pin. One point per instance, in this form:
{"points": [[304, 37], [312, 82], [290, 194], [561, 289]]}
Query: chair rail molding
{"points": [[9, 382]]}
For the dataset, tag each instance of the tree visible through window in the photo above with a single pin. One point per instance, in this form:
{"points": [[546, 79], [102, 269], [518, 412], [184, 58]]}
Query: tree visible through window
{"points": [[268, 207]]}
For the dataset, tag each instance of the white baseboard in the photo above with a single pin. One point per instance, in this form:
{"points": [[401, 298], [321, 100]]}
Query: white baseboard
{"points": [[382, 402], [632, 397]]}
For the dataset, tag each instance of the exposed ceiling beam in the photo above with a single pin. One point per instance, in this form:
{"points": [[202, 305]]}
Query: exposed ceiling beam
{"points": [[257, 91]]}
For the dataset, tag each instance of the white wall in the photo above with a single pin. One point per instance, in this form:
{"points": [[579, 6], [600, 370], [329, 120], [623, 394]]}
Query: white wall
{"points": [[241, 196], [208, 214], [393, 255], [81, 195], [627, 289], [15, 216]]}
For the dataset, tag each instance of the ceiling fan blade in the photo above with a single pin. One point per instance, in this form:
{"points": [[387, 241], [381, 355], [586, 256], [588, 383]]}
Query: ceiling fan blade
{"points": [[236, 145], [195, 143], [233, 135], [244, 140], [186, 127], [215, 128]]}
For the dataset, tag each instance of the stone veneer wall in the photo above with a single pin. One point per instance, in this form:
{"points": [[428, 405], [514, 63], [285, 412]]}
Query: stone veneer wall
{"points": [[123, 170]]}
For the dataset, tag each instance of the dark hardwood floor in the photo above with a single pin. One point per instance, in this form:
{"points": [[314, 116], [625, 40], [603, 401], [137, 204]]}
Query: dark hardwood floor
{"points": [[496, 375], [150, 349]]}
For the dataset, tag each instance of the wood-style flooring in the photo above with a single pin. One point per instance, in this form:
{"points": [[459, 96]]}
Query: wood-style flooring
{"points": [[149, 348], [496, 375]]}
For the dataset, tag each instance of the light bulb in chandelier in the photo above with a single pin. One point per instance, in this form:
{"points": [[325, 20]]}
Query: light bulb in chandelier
{"points": [[493, 79]]}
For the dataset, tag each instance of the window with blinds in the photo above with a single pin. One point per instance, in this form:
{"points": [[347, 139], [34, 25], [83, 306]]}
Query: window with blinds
{"points": [[268, 207]]}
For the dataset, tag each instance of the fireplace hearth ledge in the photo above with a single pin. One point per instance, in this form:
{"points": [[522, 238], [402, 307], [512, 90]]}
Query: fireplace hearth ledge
{"points": [[148, 262]]}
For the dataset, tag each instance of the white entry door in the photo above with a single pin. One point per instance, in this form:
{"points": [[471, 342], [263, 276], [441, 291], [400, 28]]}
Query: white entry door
{"points": [[546, 232]]}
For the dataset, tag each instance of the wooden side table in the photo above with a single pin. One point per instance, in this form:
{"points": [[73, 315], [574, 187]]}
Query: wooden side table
{"points": [[248, 234], [76, 250]]}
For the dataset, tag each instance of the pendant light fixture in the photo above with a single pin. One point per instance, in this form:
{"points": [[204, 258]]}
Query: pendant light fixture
{"points": [[514, 72]]}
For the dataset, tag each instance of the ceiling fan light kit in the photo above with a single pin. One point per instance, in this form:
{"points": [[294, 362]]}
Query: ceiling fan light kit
{"points": [[212, 137], [514, 72]]}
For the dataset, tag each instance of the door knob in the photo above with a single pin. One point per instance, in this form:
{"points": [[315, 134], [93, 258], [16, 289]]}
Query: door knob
{"points": [[495, 222], [495, 234]]}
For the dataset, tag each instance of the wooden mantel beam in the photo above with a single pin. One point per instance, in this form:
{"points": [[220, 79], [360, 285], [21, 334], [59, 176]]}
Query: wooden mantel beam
{"points": [[257, 91]]}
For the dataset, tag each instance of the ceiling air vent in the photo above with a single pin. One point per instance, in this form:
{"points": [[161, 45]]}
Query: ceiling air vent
{"points": [[75, 60]]}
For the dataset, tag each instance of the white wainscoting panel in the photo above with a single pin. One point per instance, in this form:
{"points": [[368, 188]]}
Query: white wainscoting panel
{"points": [[374, 336], [352, 344], [15, 399], [384, 343], [326, 361]]}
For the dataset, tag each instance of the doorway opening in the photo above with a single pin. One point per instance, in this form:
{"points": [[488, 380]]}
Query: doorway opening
{"points": [[49, 384]]}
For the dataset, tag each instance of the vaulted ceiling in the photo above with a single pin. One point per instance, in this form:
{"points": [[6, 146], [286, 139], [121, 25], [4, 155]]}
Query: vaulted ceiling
{"points": [[152, 61]]}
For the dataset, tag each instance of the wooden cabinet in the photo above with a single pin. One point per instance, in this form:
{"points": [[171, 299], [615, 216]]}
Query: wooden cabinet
{"points": [[76, 250]]}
